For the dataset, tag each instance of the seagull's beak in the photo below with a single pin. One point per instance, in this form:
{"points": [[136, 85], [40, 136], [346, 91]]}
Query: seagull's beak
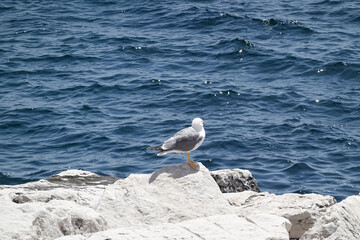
{"points": [[203, 122]]}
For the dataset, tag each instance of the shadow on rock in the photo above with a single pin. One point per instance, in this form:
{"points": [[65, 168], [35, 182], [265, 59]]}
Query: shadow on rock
{"points": [[174, 171]]}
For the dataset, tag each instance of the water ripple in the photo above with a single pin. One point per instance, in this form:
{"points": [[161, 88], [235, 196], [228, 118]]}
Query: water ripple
{"points": [[91, 85]]}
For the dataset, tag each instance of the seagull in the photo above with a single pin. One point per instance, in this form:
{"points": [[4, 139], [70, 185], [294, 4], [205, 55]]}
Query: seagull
{"points": [[184, 141]]}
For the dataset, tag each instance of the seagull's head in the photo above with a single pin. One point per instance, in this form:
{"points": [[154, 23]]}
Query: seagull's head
{"points": [[197, 124]]}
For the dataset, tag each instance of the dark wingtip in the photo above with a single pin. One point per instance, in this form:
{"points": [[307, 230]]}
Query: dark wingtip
{"points": [[155, 148]]}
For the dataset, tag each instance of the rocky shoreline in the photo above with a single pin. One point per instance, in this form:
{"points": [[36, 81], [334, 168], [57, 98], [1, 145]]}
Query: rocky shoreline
{"points": [[174, 202]]}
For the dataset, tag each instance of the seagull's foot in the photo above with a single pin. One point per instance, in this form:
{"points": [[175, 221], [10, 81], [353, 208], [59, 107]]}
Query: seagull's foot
{"points": [[192, 164]]}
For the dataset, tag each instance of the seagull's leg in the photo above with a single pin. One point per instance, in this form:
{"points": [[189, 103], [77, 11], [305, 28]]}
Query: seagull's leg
{"points": [[191, 163]]}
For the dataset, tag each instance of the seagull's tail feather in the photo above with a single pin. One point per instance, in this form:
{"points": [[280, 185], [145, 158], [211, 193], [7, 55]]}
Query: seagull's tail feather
{"points": [[158, 148], [161, 153]]}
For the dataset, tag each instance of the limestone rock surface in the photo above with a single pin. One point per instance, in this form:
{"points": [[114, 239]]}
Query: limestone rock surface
{"points": [[44, 210], [172, 201], [228, 226], [341, 221], [301, 210]]}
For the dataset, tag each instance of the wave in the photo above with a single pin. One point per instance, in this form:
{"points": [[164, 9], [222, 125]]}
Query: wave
{"points": [[343, 69], [4, 7], [355, 19], [299, 168], [6, 179], [285, 25]]}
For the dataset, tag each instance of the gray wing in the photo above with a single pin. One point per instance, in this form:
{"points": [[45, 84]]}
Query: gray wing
{"points": [[184, 140]]}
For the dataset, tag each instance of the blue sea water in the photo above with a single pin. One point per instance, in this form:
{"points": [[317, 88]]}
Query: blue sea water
{"points": [[91, 84]]}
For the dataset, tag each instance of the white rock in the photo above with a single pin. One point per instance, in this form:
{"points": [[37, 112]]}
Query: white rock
{"points": [[171, 202], [230, 227], [341, 221], [271, 223], [301, 210], [76, 173], [171, 194], [15, 224]]}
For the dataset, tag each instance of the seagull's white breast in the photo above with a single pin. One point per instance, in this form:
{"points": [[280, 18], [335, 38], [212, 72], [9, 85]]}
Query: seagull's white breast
{"points": [[202, 135]]}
